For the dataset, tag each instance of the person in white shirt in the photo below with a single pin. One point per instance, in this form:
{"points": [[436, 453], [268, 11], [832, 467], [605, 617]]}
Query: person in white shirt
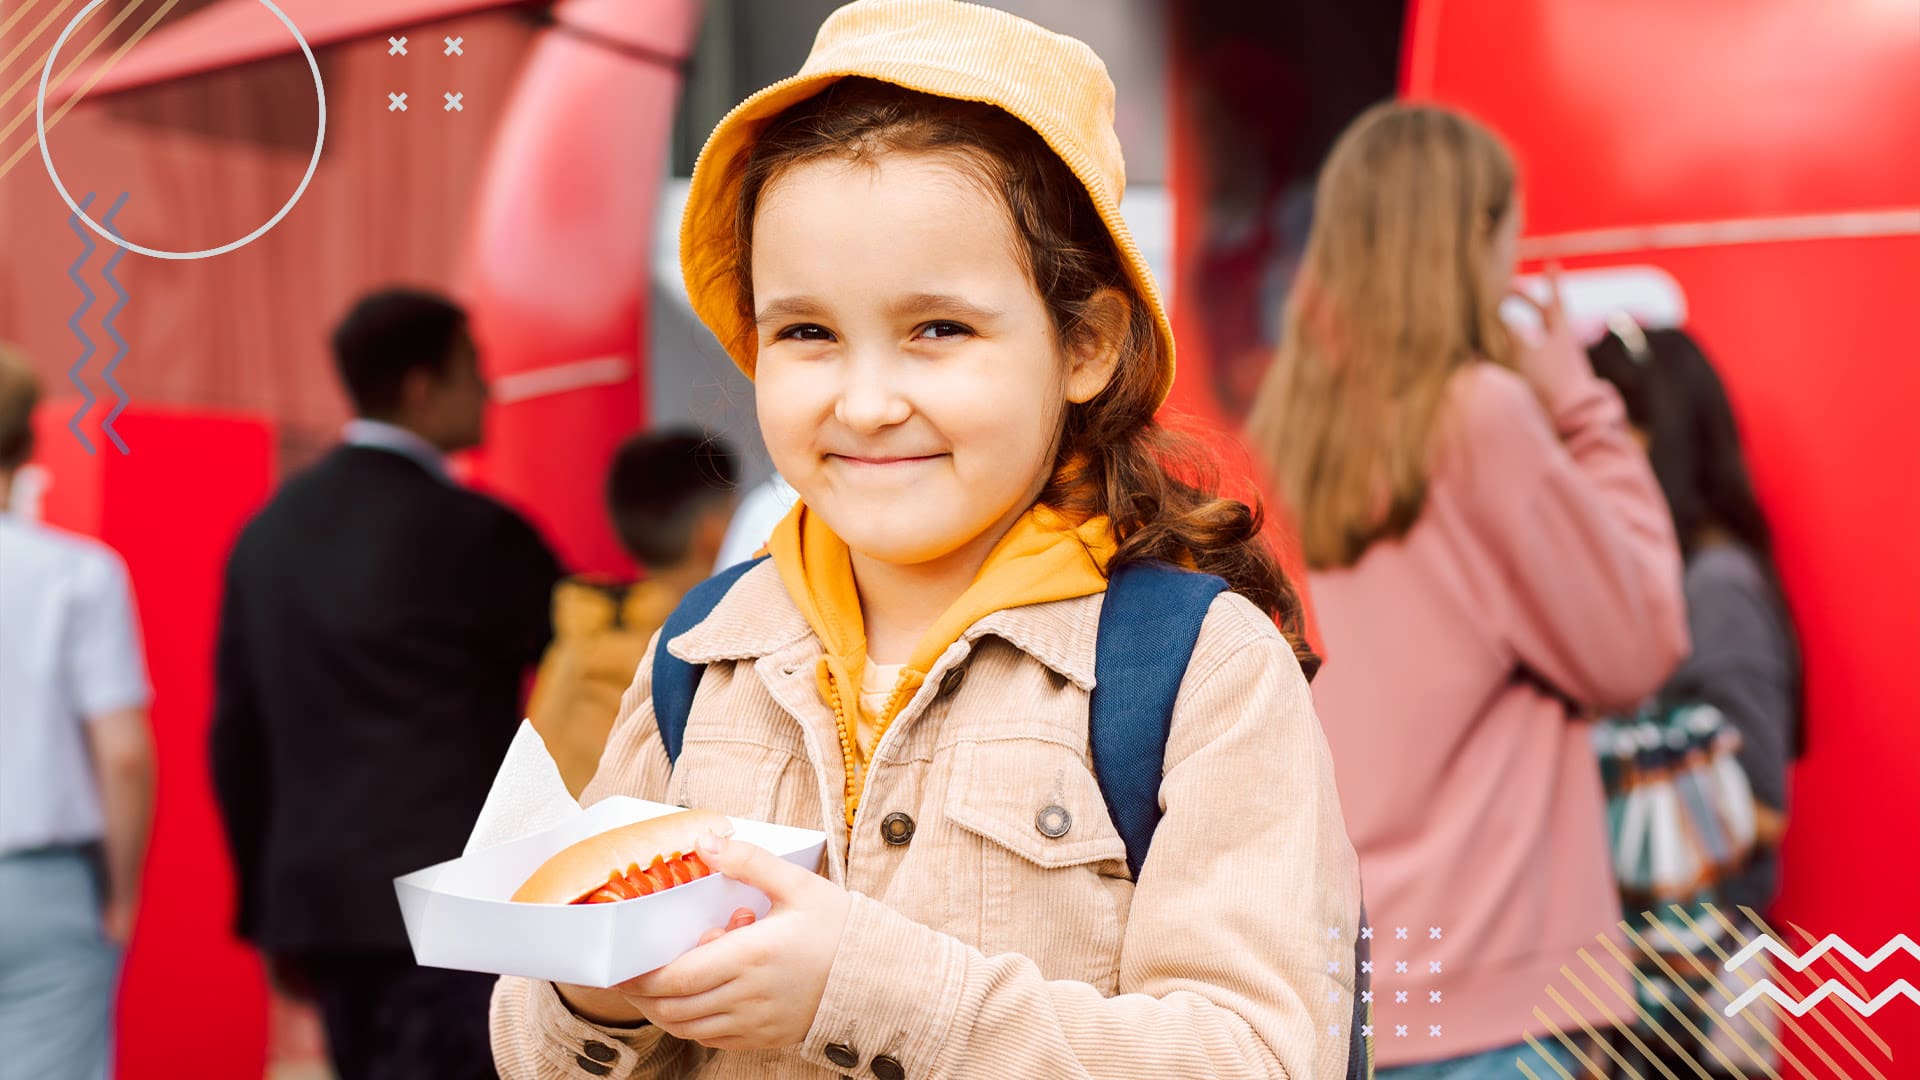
{"points": [[76, 774]]}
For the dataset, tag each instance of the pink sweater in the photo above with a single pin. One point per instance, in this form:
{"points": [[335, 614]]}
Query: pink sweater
{"points": [[1542, 571]]}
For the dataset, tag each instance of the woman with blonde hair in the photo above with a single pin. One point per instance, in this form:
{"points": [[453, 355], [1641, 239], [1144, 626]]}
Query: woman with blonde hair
{"points": [[1490, 560]]}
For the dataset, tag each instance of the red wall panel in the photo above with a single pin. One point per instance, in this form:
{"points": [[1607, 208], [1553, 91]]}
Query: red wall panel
{"points": [[1642, 113], [556, 269], [192, 997]]}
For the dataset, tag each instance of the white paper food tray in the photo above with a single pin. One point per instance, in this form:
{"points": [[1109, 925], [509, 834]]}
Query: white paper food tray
{"points": [[458, 916]]}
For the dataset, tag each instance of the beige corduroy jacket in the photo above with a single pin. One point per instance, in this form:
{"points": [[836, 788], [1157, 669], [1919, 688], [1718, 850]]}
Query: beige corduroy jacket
{"points": [[982, 946]]}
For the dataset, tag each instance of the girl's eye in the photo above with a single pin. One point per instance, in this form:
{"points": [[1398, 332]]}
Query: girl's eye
{"points": [[943, 331], [804, 332]]}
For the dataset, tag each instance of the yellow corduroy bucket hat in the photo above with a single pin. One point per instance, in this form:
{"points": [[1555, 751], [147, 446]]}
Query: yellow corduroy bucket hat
{"points": [[1053, 83]]}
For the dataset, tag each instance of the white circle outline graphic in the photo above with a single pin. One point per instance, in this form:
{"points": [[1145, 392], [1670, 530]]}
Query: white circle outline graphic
{"points": [[46, 154]]}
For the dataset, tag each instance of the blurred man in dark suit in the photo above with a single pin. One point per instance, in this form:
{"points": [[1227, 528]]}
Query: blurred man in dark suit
{"points": [[377, 624]]}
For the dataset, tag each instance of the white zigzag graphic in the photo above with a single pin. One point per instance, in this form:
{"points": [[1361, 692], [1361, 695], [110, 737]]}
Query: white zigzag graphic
{"points": [[1830, 943], [1830, 988]]}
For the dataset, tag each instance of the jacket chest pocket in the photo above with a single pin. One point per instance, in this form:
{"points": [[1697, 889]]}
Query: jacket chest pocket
{"points": [[746, 780], [1039, 868]]}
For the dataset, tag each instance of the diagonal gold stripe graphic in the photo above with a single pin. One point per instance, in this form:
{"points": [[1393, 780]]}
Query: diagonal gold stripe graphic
{"points": [[1603, 1043], [1659, 1028], [1572, 1045], [1774, 973], [28, 39], [101, 73], [1819, 1015], [1705, 1041], [1624, 1028], [1847, 975], [33, 70], [1787, 1019], [19, 12], [1522, 1062], [1617, 1023], [1571, 1042], [1542, 1051], [1717, 1017]]}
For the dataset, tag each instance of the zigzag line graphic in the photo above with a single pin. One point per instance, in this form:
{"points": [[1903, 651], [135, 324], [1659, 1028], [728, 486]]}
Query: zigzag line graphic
{"points": [[1830, 988], [1831, 943], [120, 343], [86, 351]]}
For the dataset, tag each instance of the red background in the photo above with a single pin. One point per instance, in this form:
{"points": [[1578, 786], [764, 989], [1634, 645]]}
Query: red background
{"points": [[193, 998], [1646, 112]]}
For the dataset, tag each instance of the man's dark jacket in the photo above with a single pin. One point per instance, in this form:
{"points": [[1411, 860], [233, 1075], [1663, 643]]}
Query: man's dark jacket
{"points": [[374, 634]]}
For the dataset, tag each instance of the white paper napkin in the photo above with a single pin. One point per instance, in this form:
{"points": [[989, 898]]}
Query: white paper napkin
{"points": [[527, 797]]}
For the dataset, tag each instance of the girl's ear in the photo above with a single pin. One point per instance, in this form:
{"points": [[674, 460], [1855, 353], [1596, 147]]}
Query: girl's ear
{"points": [[1094, 354]]}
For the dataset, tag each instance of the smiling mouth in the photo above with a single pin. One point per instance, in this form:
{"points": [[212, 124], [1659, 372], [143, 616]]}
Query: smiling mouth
{"points": [[854, 460]]}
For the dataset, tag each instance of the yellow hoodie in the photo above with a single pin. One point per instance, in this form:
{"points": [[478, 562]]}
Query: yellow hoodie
{"points": [[600, 633], [1042, 558]]}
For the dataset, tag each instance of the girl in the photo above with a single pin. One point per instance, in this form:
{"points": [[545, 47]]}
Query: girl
{"points": [[1745, 665], [1479, 523], [915, 248], [1746, 658]]}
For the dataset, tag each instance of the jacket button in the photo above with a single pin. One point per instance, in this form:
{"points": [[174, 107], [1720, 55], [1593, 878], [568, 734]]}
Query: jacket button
{"points": [[1053, 821], [896, 829], [886, 1068], [951, 681], [591, 1066], [600, 1051], [842, 1055]]}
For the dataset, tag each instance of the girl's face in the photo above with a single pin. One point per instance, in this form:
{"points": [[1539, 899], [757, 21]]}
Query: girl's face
{"points": [[1503, 249], [910, 384]]}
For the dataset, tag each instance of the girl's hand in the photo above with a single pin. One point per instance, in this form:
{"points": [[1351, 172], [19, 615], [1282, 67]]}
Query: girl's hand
{"points": [[1549, 362], [614, 1006], [758, 987]]}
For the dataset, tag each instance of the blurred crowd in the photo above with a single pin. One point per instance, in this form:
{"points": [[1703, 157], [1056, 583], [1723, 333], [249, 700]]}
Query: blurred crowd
{"points": [[1561, 678]]}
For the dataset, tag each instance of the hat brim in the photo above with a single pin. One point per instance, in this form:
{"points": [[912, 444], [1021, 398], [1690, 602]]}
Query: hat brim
{"points": [[709, 254]]}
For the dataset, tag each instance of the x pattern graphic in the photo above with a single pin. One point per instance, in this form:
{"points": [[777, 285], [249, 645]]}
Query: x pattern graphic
{"points": [[1400, 967]]}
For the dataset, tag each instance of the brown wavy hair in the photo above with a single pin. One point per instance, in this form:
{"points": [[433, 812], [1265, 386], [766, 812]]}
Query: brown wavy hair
{"points": [[1392, 299], [19, 394], [1113, 457]]}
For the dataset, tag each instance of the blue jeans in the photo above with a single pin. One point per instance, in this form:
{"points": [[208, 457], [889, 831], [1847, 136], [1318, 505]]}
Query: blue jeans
{"points": [[57, 970], [1491, 1065]]}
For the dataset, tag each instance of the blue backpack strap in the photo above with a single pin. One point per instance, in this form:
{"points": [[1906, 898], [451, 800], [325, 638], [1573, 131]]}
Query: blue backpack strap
{"points": [[1148, 626], [675, 680]]}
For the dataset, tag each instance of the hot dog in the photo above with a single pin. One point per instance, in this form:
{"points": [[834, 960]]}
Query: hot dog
{"points": [[624, 863]]}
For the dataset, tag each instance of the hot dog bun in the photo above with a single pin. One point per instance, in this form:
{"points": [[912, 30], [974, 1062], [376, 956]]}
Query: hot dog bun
{"points": [[581, 868]]}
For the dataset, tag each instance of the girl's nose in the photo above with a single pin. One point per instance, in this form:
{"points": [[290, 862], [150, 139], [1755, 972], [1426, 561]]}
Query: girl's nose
{"points": [[870, 397]]}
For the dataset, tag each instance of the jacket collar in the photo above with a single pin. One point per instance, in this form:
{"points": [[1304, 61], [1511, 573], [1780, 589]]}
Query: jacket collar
{"points": [[394, 439], [757, 618]]}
